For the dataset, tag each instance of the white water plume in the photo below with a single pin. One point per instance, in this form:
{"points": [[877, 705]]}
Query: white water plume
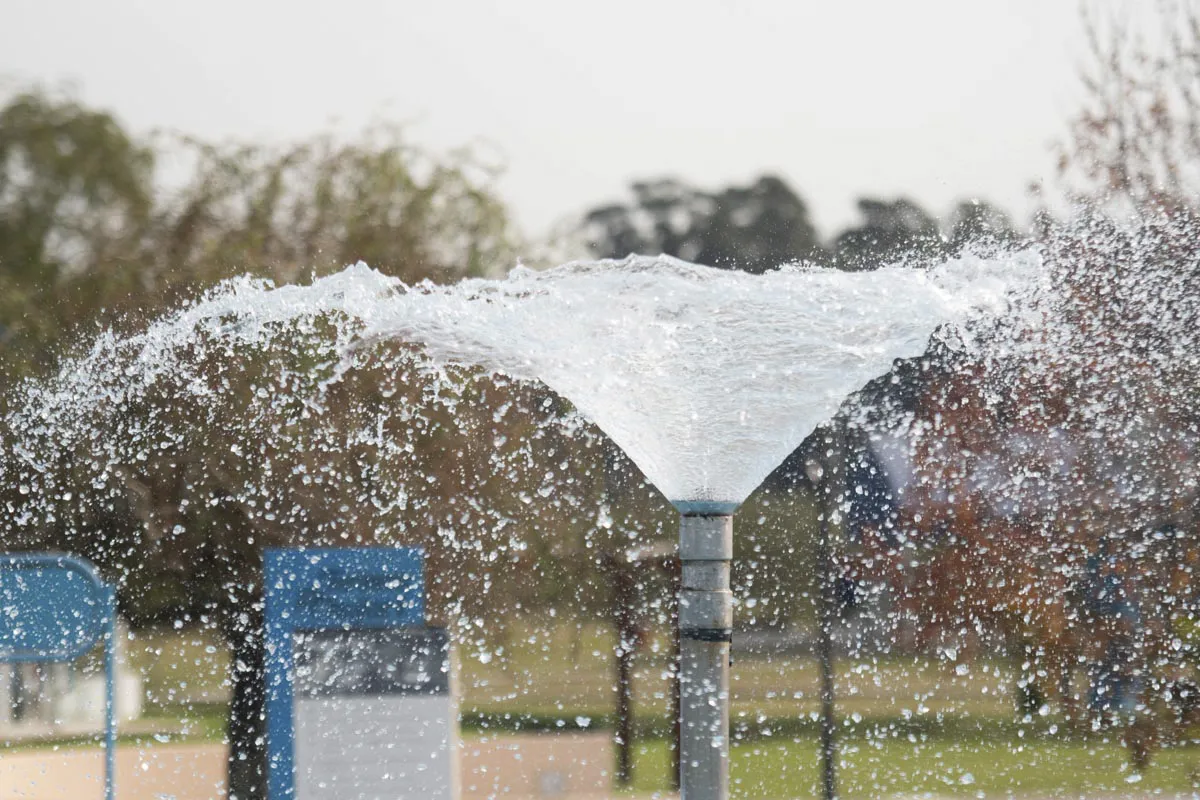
{"points": [[706, 378]]}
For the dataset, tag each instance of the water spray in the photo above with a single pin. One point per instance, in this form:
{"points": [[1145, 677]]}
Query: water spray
{"points": [[707, 379]]}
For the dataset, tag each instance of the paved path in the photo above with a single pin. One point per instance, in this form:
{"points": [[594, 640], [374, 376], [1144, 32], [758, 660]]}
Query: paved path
{"points": [[508, 767], [161, 772], [512, 767]]}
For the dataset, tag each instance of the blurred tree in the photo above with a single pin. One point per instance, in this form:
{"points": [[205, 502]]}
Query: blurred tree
{"points": [[313, 207], [978, 225], [74, 189], [1054, 509], [753, 228], [1134, 151], [1135, 143], [891, 231]]}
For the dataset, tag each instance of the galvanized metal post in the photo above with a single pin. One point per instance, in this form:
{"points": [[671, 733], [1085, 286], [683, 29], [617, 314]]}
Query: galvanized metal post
{"points": [[706, 633]]}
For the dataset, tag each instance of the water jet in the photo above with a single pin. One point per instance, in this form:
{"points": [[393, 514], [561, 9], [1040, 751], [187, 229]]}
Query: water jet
{"points": [[707, 379]]}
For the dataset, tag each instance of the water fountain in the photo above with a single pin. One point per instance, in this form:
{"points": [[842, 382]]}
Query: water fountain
{"points": [[707, 379]]}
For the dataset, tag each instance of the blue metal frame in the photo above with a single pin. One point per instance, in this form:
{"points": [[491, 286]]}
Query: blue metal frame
{"points": [[311, 590], [74, 609], [68, 616]]}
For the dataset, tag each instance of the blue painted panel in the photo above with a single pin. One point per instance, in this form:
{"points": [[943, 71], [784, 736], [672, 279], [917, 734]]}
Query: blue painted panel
{"points": [[52, 607], [312, 590]]}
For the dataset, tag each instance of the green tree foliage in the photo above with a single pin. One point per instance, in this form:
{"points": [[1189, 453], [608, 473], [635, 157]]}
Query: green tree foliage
{"points": [[74, 190], [754, 228], [288, 213]]}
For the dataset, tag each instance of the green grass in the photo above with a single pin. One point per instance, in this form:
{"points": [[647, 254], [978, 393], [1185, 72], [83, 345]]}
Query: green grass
{"points": [[543, 671], [178, 724], [908, 726], [180, 667], [939, 767], [563, 668]]}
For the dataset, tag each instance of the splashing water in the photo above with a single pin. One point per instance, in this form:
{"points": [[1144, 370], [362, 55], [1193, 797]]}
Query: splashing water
{"points": [[706, 378]]}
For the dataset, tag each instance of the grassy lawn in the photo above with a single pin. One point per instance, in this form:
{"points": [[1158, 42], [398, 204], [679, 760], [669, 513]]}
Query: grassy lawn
{"points": [[568, 669], [912, 727], [180, 668], [938, 767], [182, 724]]}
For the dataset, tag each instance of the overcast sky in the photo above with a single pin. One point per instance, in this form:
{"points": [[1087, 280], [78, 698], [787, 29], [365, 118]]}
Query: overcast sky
{"points": [[936, 99]]}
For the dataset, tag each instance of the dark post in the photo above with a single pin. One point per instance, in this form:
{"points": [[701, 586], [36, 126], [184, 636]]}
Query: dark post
{"points": [[825, 654], [624, 598], [247, 764], [674, 571], [626, 569], [627, 636], [821, 475]]}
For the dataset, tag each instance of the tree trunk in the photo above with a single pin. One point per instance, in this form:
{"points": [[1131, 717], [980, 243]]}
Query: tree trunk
{"points": [[247, 728]]}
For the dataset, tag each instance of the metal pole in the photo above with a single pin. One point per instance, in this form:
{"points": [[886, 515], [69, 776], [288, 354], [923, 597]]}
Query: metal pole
{"points": [[706, 633], [676, 736], [626, 637], [624, 593], [825, 613], [110, 699], [825, 479]]}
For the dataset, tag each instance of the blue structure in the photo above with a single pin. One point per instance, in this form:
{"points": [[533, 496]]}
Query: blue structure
{"points": [[321, 590], [55, 608]]}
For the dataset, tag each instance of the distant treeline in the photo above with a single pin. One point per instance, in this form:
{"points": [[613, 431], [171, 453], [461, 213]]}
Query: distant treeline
{"points": [[761, 226]]}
